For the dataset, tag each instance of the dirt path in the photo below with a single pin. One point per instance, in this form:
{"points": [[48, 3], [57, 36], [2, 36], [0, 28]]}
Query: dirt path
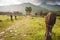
{"points": [[25, 21], [16, 25]]}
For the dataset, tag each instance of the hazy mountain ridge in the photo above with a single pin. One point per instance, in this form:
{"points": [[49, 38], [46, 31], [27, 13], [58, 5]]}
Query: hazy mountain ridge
{"points": [[21, 8], [50, 7]]}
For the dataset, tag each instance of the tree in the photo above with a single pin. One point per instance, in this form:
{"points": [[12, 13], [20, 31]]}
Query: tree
{"points": [[36, 14], [28, 10], [41, 13]]}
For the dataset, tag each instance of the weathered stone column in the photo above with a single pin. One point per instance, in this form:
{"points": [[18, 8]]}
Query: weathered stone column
{"points": [[50, 21], [15, 17], [11, 17]]}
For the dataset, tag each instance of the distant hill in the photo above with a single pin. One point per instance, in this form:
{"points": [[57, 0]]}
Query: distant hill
{"points": [[50, 7], [21, 8]]}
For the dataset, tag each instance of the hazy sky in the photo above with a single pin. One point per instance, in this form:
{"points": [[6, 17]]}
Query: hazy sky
{"points": [[35, 2]]}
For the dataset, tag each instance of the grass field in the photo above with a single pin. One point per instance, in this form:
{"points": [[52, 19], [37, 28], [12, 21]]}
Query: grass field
{"points": [[6, 21], [26, 28]]}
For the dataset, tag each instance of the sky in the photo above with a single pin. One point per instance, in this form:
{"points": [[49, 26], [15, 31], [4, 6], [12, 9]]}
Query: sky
{"points": [[35, 2]]}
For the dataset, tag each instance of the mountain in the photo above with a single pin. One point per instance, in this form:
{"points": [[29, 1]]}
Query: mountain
{"points": [[51, 7], [21, 8]]}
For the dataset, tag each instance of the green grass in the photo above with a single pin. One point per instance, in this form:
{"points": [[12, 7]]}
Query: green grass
{"points": [[6, 21], [32, 29]]}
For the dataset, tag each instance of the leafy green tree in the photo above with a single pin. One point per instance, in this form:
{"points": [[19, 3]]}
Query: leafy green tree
{"points": [[28, 10], [36, 14], [41, 13]]}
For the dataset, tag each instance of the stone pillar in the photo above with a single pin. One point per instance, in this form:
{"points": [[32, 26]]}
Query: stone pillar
{"points": [[50, 21], [11, 17], [15, 17]]}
